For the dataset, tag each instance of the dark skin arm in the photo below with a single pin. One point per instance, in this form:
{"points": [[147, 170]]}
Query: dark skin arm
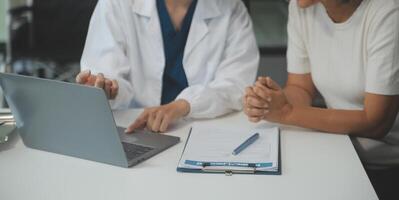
{"points": [[374, 121], [299, 90]]}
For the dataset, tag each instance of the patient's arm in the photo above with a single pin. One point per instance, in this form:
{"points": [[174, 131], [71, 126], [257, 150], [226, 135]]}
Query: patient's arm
{"points": [[292, 106], [374, 121], [299, 89]]}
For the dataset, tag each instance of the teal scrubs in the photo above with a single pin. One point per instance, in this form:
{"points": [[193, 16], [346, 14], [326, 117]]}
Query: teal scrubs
{"points": [[174, 78]]}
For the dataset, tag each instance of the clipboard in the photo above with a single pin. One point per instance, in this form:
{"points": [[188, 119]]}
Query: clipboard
{"points": [[246, 170]]}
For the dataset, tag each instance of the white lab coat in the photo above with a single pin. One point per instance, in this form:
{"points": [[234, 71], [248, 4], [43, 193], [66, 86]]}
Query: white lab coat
{"points": [[221, 56]]}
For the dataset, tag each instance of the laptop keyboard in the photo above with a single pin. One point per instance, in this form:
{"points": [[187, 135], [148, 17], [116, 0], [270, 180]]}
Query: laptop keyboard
{"points": [[134, 151]]}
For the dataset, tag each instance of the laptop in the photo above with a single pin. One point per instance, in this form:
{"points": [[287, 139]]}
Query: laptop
{"points": [[75, 120]]}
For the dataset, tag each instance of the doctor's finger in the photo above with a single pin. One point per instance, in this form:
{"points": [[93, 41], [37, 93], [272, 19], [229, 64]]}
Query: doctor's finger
{"points": [[114, 89], [151, 119], [140, 122], [100, 81], [165, 123], [157, 121], [107, 88], [83, 77], [91, 81]]}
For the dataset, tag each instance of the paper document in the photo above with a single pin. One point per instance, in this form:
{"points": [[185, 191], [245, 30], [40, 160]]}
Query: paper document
{"points": [[5, 111], [213, 147]]}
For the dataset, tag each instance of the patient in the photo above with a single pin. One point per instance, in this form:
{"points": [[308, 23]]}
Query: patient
{"points": [[348, 50]]}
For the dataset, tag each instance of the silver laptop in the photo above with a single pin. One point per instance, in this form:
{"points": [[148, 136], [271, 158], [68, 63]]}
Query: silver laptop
{"points": [[75, 120]]}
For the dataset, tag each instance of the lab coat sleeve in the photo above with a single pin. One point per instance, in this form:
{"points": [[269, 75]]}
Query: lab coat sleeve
{"points": [[236, 71], [105, 49]]}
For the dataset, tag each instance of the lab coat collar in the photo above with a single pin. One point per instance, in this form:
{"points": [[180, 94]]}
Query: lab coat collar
{"points": [[206, 9]]}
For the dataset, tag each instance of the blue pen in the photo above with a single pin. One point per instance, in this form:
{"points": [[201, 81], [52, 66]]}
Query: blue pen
{"points": [[245, 144]]}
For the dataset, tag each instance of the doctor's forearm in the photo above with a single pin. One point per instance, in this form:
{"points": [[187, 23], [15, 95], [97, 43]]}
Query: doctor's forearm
{"points": [[353, 123]]}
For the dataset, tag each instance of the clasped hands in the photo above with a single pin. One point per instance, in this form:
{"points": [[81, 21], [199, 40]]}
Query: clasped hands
{"points": [[266, 100], [155, 119]]}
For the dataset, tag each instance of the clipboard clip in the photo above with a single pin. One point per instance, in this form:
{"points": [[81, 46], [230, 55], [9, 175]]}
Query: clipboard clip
{"points": [[212, 169]]}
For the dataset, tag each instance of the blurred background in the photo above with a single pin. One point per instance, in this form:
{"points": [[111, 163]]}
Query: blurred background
{"points": [[45, 38]]}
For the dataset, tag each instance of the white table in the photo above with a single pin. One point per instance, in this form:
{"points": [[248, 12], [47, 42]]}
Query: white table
{"points": [[315, 166]]}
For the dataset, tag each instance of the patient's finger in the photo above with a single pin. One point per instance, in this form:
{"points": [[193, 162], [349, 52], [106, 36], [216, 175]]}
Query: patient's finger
{"points": [[249, 92], [254, 119], [262, 80], [257, 103], [255, 112], [272, 84], [263, 92]]}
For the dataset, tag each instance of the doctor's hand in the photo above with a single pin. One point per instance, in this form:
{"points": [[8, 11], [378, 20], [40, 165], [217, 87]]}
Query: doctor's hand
{"points": [[158, 119], [110, 87], [266, 101]]}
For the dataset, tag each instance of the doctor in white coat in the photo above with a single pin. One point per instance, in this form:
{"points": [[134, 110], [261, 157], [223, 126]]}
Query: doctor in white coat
{"points": [[176, 58]]}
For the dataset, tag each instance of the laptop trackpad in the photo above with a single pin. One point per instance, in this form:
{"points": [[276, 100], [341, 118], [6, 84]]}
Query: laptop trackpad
{"points": [[129, 138], [146, 138]]}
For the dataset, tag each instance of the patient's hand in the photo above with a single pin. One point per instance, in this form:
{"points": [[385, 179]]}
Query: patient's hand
{"points": [[254, 107], [158, 119], [110, 87], [266, 100]]}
